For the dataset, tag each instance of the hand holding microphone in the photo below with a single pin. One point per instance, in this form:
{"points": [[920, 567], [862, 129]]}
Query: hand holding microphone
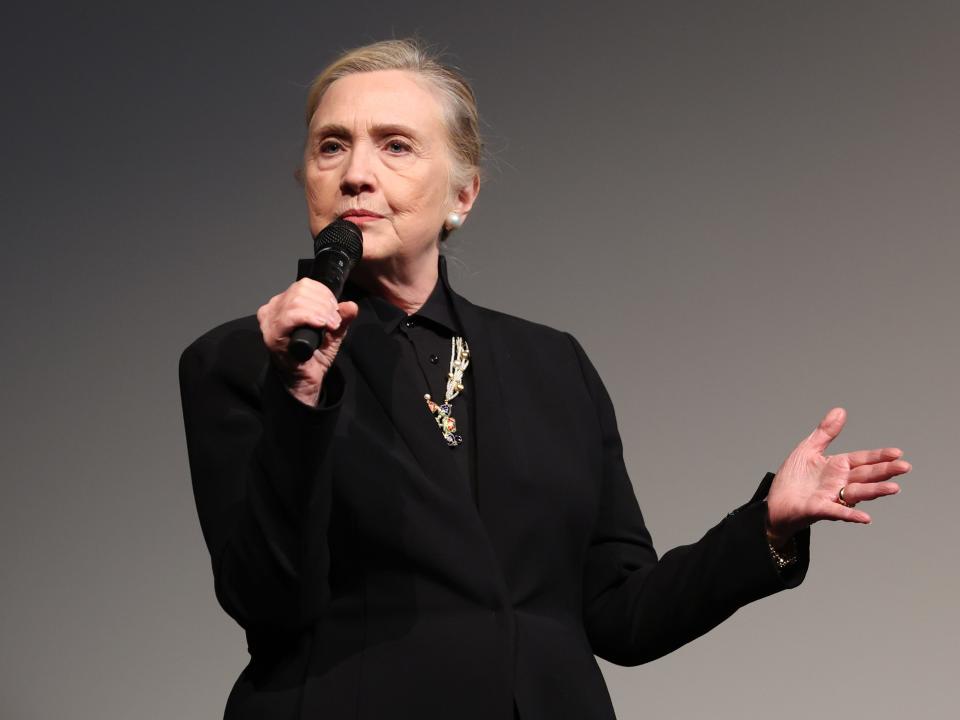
{"points": [[304, 326]]}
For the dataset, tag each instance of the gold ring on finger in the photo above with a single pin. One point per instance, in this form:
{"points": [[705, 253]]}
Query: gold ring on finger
{"points": [[840, 497]]}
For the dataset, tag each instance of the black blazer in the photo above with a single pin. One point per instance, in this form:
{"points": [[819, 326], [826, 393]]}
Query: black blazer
{"points": [[369, 582]]}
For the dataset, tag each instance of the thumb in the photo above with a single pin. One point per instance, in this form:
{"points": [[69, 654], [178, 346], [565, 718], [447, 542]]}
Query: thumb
{"points": [[348, 311], [828, 429]]}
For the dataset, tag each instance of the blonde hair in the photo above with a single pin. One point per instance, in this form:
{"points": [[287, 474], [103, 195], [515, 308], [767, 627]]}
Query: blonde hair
{"points": [[461, 118]]}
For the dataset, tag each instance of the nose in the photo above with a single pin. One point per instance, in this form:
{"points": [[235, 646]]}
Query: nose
{"points": [[358, 172]]}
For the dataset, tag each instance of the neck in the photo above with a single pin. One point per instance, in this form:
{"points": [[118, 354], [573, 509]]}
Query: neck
{"points": [[404, 283]]}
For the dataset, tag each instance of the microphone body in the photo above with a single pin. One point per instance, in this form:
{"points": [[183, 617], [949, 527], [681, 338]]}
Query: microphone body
{"points": [[336, 249]]}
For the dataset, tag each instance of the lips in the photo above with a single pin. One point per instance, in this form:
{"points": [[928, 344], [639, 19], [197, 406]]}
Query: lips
{"points": [[360, 214]]}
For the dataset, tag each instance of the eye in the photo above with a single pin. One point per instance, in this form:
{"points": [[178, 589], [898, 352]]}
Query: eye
{"points": [[397, 146], [328, 147]]}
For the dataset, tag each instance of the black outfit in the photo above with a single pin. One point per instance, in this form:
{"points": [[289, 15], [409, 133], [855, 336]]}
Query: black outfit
{"points": [[374, 582], [423, 355]]}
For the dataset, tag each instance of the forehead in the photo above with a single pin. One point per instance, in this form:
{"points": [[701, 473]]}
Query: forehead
{"points": [[383, 97]]}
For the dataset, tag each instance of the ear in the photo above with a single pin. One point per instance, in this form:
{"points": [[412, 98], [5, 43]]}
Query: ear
{"points": [[466, 196]]}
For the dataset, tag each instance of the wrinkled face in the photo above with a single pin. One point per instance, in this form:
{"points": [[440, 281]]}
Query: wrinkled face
{"points": [[377, 143]]}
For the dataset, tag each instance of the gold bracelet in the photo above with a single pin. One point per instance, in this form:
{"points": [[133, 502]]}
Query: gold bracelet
{"points": [[787, 558]]}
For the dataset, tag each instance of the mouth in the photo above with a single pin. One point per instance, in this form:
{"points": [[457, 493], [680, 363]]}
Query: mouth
{"points": [[360, 216]]}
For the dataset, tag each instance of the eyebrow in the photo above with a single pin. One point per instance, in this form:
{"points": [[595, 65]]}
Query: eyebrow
{"points": [[381, 130]]}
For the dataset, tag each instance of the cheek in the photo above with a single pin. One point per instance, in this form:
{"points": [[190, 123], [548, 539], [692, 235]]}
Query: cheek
{"points": [[317, 191], [424, 196]]}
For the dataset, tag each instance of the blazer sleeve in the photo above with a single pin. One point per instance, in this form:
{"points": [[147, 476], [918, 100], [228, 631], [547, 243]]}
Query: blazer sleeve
{"points": [[638, 607], [256, 458]]}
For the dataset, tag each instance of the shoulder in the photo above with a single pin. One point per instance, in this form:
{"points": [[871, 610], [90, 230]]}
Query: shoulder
{"points": [[233, 348], [518, 329], [241, 333], [531, 339], [552, 360]]}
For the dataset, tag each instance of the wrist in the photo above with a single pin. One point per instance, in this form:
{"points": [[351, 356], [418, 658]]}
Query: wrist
{"points": [[783, 556], [782, 545], [304, 388], [777, 538], [306, 391], [307, 397]]}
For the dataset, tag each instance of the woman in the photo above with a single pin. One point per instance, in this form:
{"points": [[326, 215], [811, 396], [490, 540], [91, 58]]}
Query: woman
{"points": [[431, 518]]}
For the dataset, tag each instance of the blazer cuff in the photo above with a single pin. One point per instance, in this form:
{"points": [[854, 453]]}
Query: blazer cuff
{"points": [[279, 402], [759, 572], [294, 427]]}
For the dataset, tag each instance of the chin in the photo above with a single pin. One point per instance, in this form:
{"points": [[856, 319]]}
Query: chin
{"points": [[376, 249]]}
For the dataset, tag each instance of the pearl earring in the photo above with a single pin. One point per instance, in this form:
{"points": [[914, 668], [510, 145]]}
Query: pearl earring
{"points": [[454, 220]]}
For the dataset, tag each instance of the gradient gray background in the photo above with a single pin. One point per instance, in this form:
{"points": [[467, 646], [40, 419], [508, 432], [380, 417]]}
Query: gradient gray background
{"points": [[746, 211]]}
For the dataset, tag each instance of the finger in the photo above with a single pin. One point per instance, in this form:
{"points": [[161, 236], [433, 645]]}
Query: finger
{"points": [[879, 472], [828, 429], [301, 317], [348, 310], [862, 492], [308, 302], [867, 457], [315, 290], [836, 511]]}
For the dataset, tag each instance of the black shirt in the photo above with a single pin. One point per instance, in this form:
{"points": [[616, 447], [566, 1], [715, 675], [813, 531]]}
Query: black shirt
{"points": [[423, 345]]}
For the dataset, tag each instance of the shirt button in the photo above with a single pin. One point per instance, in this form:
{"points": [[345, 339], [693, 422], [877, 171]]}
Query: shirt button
{"points": [[434, 359], [408, 322]]}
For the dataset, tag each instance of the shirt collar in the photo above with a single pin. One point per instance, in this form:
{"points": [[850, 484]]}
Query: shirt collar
{"points": [[437, 308]]}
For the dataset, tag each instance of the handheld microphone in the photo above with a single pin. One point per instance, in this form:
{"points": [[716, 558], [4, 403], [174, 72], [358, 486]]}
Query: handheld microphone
{"points": [[336, 249]]}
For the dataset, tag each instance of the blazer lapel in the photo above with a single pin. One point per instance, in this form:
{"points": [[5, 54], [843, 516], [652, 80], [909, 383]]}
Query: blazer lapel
{"points": [[374, 355], [498, 463], [497, 460]]}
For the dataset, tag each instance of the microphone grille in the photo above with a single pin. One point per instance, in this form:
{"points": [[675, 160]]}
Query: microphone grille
{"points": [[343, 235]]}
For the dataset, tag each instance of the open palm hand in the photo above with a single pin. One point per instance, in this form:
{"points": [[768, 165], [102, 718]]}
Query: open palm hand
{"points": [[808, 484]]}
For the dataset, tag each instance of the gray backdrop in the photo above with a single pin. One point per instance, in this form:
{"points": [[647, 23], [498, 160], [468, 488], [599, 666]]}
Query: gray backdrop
{"points": [[746, 211]]}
